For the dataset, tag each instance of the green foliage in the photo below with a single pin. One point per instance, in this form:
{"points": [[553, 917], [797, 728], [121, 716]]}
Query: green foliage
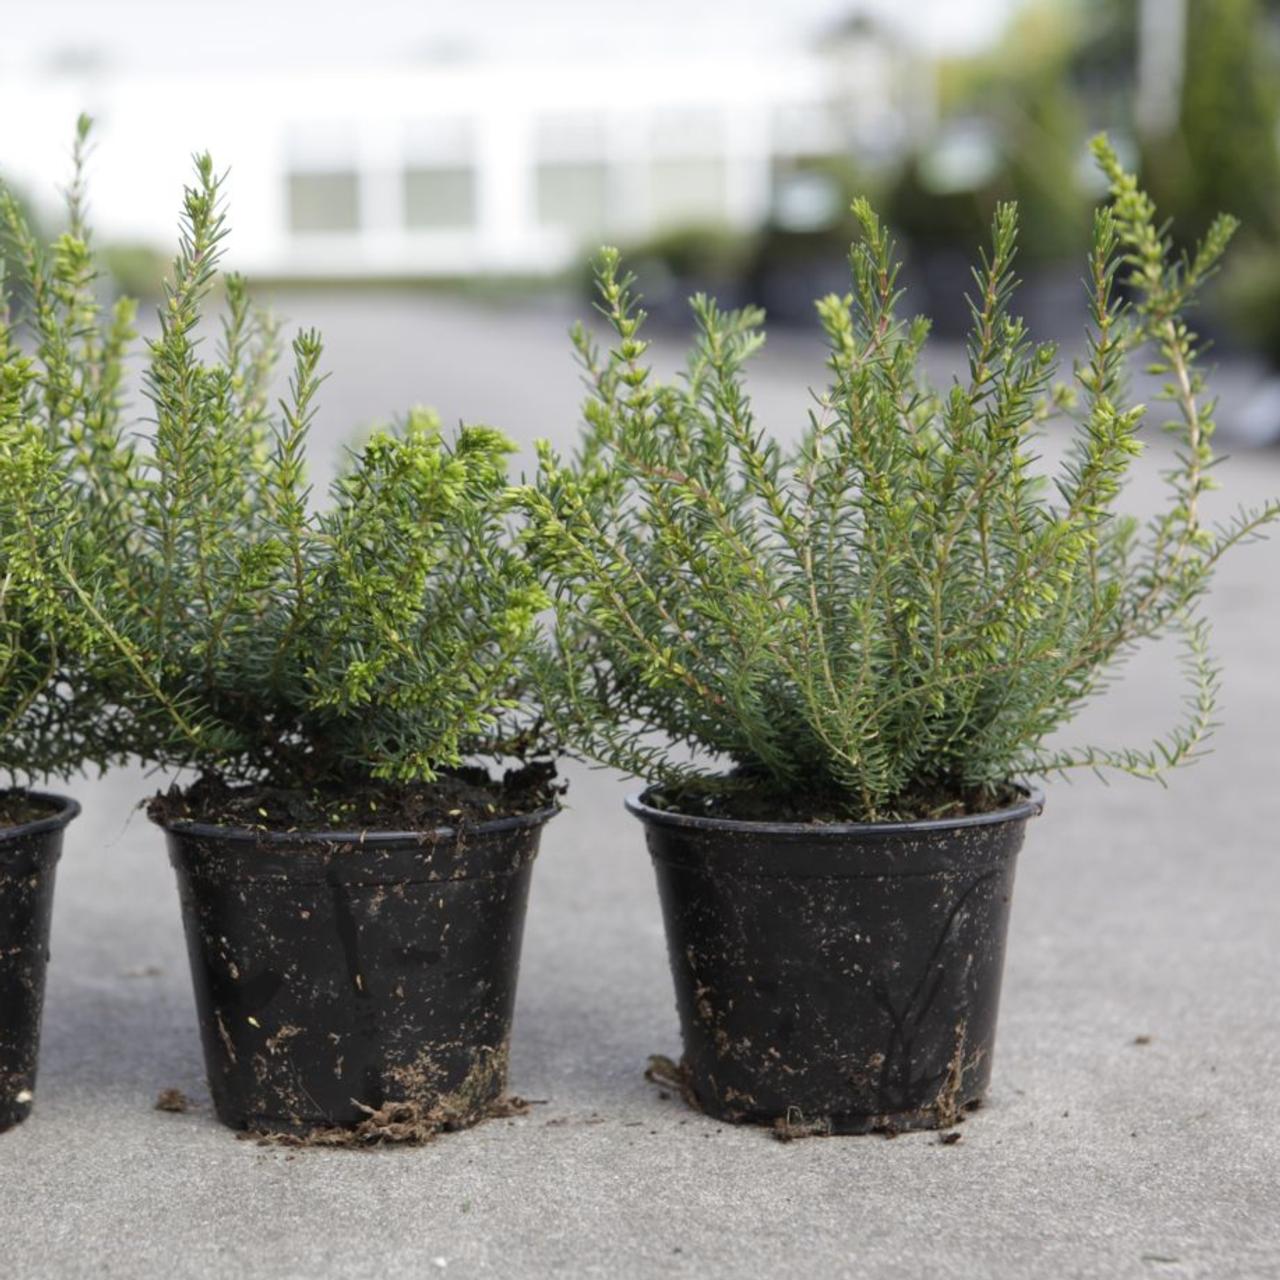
{"points": [[932, 219], [1249, 296], [54, 717], [1043, 132], [233, 628], [1022, 93], [898, 613], [1224, 148], [137, 270], [708, 250], [8, 300]]}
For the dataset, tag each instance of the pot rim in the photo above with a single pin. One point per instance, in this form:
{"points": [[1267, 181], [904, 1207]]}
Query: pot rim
{"points": [[1031, 805], [67, 810], [367, 839]]}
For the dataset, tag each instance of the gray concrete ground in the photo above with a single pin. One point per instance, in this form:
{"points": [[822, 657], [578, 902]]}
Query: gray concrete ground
{"points": [[1139, 913]]}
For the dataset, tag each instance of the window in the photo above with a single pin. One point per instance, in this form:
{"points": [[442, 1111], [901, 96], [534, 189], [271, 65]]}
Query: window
{"points": [[439, 198], [572, 178], [324, 202], [688, 189], [573, 195], [688, 177], [440, 186]]}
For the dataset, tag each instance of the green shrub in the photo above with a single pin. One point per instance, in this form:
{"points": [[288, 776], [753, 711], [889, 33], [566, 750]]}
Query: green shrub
{"points": [[932, 219], [12, 303], [137, 270], [1224, 148], [238, 631], [1017, 104], [679, 258], [54, 717], [1249, 297], [894, 618]]}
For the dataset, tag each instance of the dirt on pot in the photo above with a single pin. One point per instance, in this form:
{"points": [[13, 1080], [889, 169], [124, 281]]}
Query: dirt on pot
{"points": [[835, 981], [28, 860], [459, 798], [352, 981], [673, 1076], [411, 1120]]}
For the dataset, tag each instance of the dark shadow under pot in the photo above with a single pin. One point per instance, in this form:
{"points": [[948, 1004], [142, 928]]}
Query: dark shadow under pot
{"points": [[28, 860], [841, 978], [348, 980]]}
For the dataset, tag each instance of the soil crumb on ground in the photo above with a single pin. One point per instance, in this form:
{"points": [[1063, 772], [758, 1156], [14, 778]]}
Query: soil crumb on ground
{"points": [[671, 1077], [173, 1100], [18, 807], [459, 798]]}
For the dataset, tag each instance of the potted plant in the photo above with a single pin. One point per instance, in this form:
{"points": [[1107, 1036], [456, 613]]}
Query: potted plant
{"points": [[353, 879], [835, 665], [54, 717]]}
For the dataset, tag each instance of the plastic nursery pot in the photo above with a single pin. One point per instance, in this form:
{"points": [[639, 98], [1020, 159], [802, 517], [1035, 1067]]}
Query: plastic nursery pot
{"points": [[338, 974], [28, 859], [841, 978]]}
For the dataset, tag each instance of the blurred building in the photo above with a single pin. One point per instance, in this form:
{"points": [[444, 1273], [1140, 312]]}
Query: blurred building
{"points": [[452, 169]]}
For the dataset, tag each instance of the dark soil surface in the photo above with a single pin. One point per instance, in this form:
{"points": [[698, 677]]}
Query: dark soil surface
{"points": [[735, 798], [462, 797], [17, 807]]}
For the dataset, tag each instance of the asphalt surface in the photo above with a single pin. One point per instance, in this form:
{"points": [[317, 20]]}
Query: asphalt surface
{"points": [[1132, 1125]]}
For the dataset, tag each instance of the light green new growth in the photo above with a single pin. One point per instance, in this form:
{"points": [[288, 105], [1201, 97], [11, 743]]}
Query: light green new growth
{"points": [[235, 629], [897, 614]]}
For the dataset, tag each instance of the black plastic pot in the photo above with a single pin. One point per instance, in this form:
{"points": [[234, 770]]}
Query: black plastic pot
{"points": [[841, 978], [28, 859], [339, 973]]}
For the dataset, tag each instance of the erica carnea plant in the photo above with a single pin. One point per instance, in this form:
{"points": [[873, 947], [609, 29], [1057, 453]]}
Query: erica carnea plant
{"points": [[239, 631], [895, 617], [54, 717]]}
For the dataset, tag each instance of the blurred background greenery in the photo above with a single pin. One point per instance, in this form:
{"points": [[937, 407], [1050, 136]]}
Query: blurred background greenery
{"points": [[1196, 110]]}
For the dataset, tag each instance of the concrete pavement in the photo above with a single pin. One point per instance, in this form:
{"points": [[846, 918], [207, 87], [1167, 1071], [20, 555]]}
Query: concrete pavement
{"points": [[1139, 915]]}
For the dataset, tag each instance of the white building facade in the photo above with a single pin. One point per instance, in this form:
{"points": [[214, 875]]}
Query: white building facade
{"points": [[458, 169]]}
